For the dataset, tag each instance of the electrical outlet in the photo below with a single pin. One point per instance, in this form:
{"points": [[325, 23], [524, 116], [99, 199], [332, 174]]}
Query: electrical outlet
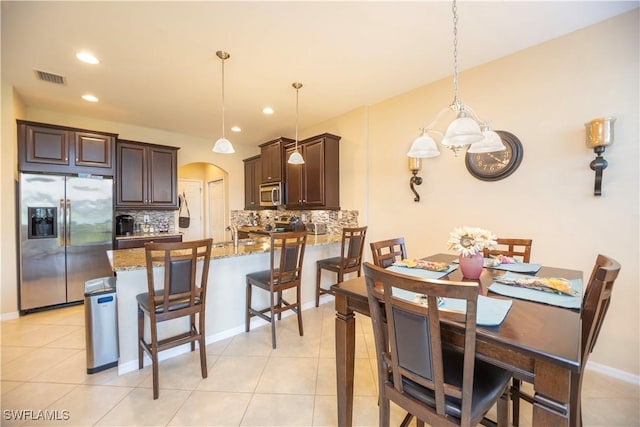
{"points": [[146, 218]]}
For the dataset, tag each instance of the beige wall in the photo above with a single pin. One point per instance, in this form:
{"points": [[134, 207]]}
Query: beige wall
{"points": [[544, 95]]}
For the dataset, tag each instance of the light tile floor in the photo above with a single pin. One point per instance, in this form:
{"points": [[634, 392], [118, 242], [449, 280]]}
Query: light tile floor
{"points": [[43, 369]]}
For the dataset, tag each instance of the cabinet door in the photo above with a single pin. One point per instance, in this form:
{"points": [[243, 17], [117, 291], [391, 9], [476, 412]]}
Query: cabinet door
{"points": [[252, 181], [314, 174], [271, 162], [294, 189], [162, 178], [45, 145], [131, 184], [93, 149]]}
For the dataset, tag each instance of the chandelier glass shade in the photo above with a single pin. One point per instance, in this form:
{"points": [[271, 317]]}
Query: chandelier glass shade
{"points": [[424, 147], [223, 145]]}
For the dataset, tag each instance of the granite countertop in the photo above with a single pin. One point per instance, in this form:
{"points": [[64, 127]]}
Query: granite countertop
{"points": [[134, 259], [148, 235]]}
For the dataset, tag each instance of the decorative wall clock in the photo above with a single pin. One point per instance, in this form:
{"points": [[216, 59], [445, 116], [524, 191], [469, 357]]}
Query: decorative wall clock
{"points": [[498, 164]]}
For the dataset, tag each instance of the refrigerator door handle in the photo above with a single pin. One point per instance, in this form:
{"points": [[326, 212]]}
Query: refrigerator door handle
{"points": [[68, 222], [62, 231]]}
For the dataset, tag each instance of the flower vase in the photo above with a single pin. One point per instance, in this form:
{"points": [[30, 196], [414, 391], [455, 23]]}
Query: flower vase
{"points": [[471, 265]]}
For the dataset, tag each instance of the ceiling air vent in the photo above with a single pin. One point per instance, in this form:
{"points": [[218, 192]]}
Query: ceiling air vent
{"points": [[50, 77]]}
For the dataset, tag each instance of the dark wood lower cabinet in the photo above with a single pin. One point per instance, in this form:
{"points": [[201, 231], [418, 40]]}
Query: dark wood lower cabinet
{"points": [[139, 242]]}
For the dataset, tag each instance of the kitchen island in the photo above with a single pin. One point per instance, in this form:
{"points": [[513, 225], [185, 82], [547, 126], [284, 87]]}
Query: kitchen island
{"points": [[225, 311]]}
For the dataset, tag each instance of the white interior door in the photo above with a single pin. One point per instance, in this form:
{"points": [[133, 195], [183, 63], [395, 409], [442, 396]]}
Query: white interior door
{"points": [[217, 209], [192, 190]]}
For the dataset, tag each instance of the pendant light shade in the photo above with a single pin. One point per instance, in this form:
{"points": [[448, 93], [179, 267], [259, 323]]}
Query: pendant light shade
{"points": [[423, 147], [223, 145], [296, 158]]}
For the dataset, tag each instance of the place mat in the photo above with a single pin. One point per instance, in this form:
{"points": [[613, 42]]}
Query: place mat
{"points": [[421, 272], [517, 267], [566, 301], [490, 312]]}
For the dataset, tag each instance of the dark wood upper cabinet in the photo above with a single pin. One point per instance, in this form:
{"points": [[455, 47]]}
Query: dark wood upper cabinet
{"points": [[316, 183], [271, 154], [58, 149], [147, 176], [252, 181]]}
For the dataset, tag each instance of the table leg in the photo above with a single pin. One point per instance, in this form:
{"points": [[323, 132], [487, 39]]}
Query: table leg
{"points": [[551, 399], [345, 359]]}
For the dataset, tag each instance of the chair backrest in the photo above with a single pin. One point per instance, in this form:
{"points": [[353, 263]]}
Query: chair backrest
{"points": [[520, 248], [408, 340], [183, 289], [386, 252], [287, 254], [352, 247], [596, 302]]}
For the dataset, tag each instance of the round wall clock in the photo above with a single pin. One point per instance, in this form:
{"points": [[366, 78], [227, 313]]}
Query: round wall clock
{"points": [[498, 164]]}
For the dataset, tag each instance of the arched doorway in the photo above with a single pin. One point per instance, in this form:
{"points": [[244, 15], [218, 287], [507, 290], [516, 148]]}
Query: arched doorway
{"points": [[204, 187]]}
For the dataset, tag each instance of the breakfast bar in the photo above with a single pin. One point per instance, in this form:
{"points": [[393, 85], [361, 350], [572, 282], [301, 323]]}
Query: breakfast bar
{"points": [[225, 292]]}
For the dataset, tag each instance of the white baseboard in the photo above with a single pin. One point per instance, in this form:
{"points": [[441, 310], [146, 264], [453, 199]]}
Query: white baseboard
{"points": [[614, 373], [9, 316]]}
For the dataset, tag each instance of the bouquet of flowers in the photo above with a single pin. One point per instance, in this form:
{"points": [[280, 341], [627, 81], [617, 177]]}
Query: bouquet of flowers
{"points": [[468, 241]]}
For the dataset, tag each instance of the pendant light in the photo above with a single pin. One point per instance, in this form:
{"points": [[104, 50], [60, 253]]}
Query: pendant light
{"points": [[223, 145], [466, 129], [296, 158]]}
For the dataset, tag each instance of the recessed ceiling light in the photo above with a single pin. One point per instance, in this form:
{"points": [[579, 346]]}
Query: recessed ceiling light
{"points": [[87, 57], [267, 110], [236, 129], [90, 98]]}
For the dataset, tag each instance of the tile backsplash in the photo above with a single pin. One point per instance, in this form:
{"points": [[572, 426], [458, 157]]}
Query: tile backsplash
{"points": [[335, 220], [155, 217]]}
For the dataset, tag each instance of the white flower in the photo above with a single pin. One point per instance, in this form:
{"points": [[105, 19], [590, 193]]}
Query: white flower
{"points": [[469, 241]]}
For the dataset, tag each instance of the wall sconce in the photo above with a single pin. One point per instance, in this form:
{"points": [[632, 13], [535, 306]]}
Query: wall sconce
{"points": [[599, 136], [415, 164]]}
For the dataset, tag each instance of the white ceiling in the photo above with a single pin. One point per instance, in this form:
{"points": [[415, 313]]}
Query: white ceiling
{"points": [[159, 69]]}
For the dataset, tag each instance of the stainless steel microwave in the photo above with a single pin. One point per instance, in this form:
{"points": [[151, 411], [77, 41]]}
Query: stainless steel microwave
{"points": [[272, 194]]}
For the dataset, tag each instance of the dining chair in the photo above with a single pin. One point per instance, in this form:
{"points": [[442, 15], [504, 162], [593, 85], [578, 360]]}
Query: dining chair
{"points": [[520, 248], [436, 384], [349, 261], [386, 252], [595, 304], [181, 293], [285, 272]]}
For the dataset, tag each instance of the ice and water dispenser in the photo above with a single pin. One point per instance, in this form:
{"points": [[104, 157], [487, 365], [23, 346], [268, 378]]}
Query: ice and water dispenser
{"points": [[42, 222]]}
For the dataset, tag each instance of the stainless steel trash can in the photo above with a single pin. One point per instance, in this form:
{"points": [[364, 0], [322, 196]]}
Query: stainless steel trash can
{"points": [[101, 324]]}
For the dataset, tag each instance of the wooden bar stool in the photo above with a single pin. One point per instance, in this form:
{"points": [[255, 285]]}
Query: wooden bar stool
{"points": [[183, 294], [285, 272], [349, 261]]}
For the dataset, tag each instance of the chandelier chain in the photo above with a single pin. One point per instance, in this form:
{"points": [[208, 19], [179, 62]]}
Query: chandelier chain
{"points": [[456, 101]]}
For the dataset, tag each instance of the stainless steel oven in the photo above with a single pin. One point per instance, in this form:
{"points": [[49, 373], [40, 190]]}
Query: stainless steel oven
{"points": [[272, 194]]}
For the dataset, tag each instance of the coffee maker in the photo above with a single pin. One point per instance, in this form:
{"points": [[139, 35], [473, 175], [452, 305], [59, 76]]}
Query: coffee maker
{"points": [[124, 225]]}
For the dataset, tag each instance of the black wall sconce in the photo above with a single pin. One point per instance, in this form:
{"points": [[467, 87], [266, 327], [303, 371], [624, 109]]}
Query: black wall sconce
{"points": [[415, 164], [599, 136]]}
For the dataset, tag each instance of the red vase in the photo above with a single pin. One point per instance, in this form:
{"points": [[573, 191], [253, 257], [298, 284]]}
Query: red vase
{"points": [[471, 266]]}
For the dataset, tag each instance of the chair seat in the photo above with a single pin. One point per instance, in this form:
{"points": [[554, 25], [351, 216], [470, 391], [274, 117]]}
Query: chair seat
{"points": [[489, 382], [334, 263], [262, 278], [143, 301]]}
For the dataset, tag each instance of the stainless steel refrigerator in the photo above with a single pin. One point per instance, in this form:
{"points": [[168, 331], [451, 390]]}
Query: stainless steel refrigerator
{"points": [[66, 227]]}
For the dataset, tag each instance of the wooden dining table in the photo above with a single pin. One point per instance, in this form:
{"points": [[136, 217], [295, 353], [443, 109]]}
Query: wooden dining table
{"points": [[538, 343]]}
